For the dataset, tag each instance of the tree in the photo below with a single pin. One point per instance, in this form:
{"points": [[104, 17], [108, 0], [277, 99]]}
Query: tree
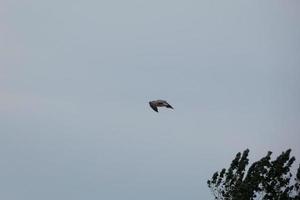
{"points": [[264, 179]]}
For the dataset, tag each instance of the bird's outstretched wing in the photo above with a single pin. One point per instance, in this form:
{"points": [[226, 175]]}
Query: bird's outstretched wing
{"points": [[169, 106], [164, 103], [153, 106]]}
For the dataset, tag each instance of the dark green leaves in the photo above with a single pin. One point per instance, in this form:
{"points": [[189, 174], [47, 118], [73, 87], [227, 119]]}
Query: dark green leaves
{"points": [[265, 179]]}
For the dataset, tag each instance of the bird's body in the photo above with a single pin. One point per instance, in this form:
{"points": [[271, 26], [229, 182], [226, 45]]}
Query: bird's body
{"points": [[159, 103]]}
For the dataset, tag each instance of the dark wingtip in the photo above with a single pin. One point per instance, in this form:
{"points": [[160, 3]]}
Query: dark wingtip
{"points": [[169, 106]]}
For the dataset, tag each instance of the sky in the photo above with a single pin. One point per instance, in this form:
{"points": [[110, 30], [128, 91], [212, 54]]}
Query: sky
{"points": [[76, 78]]}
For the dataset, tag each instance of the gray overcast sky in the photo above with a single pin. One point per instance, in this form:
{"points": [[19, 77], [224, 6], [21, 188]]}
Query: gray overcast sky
{"points": [[76, 78]]}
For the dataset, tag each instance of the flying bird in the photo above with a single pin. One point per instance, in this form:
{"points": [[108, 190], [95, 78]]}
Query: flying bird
{"points": [[159, 103]]}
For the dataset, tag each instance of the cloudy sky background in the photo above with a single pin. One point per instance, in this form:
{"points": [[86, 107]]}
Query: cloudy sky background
{"points": [[76, 78]]}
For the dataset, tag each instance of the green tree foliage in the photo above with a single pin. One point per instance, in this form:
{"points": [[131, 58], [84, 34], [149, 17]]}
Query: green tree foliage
{"points": [[265, 179]]}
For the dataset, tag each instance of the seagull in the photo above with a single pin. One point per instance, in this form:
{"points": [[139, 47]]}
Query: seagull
{"points": [[159, 103]]}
